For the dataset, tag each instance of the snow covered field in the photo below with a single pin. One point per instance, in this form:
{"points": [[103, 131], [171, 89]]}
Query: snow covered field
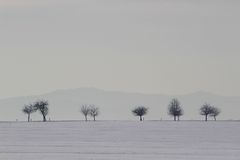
{"points": [[115, 140]]}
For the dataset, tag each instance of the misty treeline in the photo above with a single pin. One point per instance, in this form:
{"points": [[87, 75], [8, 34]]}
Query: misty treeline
{"points": [[174, 109]]}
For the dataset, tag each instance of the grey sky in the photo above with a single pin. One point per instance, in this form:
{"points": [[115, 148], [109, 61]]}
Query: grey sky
{"points": [[156, 46]]}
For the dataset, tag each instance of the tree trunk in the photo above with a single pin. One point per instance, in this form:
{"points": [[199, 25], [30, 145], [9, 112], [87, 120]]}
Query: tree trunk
{"points": [[94, 118], [28, 117], [174, 118], [178, 118], [44, 118], [86, 118], [206, 117], [215, 118], [141, 118]]}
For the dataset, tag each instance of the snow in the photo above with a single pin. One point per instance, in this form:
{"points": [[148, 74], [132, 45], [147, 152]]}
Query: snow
{"points": [[120, 140]]}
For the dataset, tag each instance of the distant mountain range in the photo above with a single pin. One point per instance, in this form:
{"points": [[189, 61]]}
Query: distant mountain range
{"points": [[65, 105]]}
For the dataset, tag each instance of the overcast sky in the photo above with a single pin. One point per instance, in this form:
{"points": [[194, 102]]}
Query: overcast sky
{"points": [[148, 46]]}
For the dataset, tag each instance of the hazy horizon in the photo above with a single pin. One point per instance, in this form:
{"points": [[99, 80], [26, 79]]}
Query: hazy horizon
{"points": [[115, 105], [202, 92], [154, 47]]}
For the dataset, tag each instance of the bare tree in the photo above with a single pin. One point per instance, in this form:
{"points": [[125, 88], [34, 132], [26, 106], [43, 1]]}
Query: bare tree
{"points": [[215, 112], [206, 110], [94, 111], [85, 110], [29, 109], [174, 109], [140, 111], [42, 106]]}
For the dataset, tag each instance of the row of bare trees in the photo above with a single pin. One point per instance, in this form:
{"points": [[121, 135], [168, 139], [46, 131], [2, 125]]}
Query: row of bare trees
{"points": [[175, 110], [41, 106]]}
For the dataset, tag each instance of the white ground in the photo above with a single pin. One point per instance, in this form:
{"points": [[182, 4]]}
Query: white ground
{"points": [[109, 140]]}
